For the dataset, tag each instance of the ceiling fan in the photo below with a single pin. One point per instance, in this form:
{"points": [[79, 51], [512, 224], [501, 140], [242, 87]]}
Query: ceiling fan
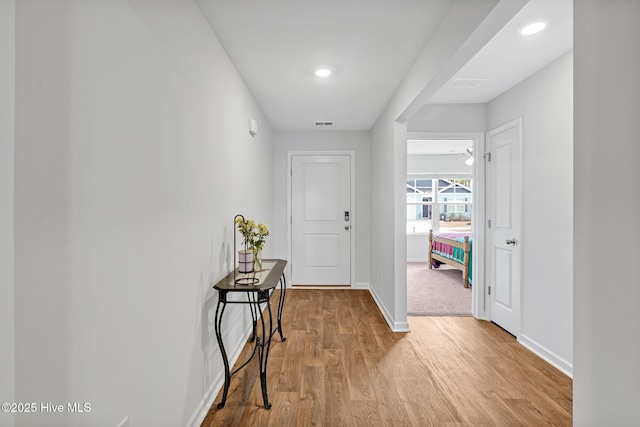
{"points": [[468, 156]]}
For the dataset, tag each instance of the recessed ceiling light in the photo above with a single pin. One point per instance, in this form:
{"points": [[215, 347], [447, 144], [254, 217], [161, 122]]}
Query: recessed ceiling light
{"points": [[533, 28], [323, 72]]}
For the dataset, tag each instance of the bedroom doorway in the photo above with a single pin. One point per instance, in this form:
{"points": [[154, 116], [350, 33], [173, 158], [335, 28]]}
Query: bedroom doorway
{"points": [[439, 193]]}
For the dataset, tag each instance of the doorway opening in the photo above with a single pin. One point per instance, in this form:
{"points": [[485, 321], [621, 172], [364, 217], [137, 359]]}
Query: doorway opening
{"points": [[439, 225]]}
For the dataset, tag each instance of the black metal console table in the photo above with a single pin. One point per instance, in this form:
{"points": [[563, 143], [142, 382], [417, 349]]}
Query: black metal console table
{"points": [[256, 294]]}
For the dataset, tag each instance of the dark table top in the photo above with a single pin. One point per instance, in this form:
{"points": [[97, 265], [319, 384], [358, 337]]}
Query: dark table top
{"points": [[268, 278]]}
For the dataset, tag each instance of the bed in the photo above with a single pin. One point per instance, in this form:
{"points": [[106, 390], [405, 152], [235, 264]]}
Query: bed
{"points": [[453, 249]]}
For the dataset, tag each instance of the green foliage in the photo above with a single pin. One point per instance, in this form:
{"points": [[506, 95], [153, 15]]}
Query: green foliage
{"points": [[254, 235]]}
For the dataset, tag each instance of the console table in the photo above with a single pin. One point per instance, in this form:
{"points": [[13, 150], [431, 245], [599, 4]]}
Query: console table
{"points": [[256, 294]]}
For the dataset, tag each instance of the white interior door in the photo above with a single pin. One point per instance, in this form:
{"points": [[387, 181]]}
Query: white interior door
{"points": [[321, 220], [504, 170]]}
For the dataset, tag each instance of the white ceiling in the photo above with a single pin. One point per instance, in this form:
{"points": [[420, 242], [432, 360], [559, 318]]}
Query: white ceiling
{"points": [[510, 57], [277, 44], [438, 146], [370, 45]]}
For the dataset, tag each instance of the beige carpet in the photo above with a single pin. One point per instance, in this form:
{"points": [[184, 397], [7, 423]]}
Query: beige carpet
{"points": [[437, 292]]}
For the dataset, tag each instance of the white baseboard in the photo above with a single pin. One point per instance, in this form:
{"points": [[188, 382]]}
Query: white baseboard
{"points": [[363, 286], [208, 399], [395, 326], [401, 327], [205, 404], [563, 365]]}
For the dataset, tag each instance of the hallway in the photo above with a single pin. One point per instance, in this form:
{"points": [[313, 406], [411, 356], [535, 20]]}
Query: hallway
{"points": [[341, 365]]}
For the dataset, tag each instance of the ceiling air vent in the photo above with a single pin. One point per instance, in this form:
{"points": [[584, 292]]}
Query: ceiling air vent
{"points": [[465, 82], [324, 123]]}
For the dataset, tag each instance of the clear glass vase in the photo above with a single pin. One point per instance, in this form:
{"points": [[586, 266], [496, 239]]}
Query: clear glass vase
{"points": [[257, 259]]}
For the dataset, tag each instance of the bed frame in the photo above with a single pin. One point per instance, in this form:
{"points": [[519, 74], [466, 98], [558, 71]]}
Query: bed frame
{"points": [[460, 259]]}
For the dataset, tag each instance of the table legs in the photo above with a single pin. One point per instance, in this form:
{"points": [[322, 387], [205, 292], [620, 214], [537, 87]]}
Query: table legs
{"points": [[262, 341], [283, 294], [225, 360], [263, 354]]}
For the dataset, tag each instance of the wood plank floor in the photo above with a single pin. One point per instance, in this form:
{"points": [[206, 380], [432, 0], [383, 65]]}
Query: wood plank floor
{"points": [[342, 366]]}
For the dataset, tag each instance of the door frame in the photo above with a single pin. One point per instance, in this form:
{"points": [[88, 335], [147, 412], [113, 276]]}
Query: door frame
{"points": [[352, 160], [478, 290], [517, 123]]}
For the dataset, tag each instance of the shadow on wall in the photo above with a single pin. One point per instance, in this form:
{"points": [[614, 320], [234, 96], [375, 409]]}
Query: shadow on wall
{"points": [[207, 324]]}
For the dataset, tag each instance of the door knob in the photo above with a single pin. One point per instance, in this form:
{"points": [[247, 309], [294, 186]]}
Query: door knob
{"points": [[512, 242], [346, 227]]}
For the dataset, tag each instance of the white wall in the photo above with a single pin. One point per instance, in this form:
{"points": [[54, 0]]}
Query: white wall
{"points": [[453, 44], [132, 157], [545, 103], [417, 247], [438, 164], [357, 141], [7, 112], [449, 118], [607, 290]]}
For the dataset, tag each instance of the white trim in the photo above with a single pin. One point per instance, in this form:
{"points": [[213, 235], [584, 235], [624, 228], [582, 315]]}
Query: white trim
{"points": [[365, 286], [558, 362], [478, 291], [202, 409], [444, 135], [393, 325], [352, 161], [479, 219]]}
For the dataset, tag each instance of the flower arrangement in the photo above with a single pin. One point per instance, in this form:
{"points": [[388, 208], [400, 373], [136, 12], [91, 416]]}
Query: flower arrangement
{"points": [[254, 237], [260, 233]]}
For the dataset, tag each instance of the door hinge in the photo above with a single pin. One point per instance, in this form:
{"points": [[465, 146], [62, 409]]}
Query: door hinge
{"points": [[489, 290], [290, 219], [489, 223], [487, 156], [291, 172]]}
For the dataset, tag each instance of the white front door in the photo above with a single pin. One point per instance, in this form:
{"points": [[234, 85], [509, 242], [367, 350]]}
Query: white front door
{"points": [[504, 204], [321, 219]]}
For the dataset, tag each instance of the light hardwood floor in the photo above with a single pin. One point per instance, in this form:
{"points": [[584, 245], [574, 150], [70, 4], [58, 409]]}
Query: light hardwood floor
{"points": [[342, 366]]}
